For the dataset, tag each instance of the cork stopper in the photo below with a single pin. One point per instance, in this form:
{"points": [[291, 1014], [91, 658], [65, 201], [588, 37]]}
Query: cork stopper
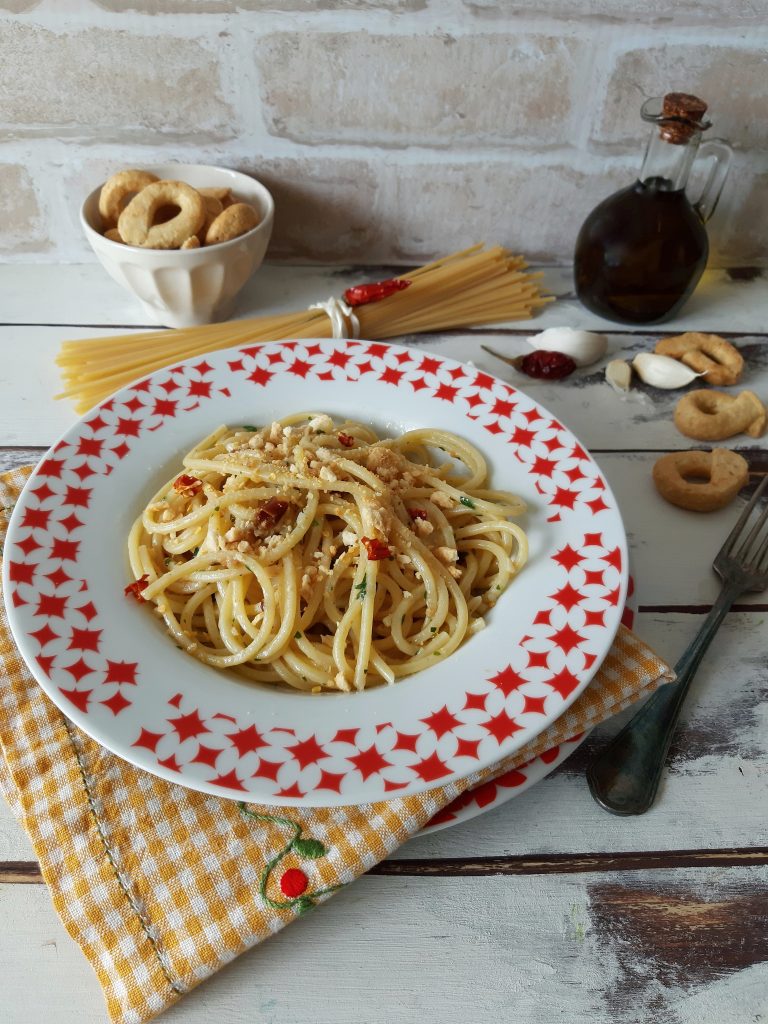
{"points": [[681, 116]]}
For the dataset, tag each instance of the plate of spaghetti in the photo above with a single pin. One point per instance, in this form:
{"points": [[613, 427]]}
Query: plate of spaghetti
{"points": [[316, 572]]}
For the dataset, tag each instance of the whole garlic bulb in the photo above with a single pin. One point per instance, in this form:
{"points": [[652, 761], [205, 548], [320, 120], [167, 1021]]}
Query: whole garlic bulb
{"points": [[584, 347], [662, 371]]}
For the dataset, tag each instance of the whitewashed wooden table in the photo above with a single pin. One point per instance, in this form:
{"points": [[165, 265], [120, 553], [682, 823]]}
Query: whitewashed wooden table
{"points": [[547, 908]]}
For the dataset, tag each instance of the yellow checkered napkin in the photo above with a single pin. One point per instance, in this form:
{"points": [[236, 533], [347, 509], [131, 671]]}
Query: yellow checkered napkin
{"points": [[161, 886]]}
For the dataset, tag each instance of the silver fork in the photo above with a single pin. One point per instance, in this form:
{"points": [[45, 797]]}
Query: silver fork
{"points": [[625, 775]]}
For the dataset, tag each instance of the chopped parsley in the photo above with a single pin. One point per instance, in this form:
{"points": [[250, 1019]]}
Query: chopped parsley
{"points": [[362, 588], [315, 522], [249, 427], [195, 552], [498, 586], [297, 635], [433, 629], [467, 501]]}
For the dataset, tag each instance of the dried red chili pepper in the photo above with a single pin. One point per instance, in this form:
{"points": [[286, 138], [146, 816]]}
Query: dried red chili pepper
{"points": [[189, 484], [417, 513], [346, 439], [271, 511], [546, 365], [376, 550], [362, 294], [134, 589]]}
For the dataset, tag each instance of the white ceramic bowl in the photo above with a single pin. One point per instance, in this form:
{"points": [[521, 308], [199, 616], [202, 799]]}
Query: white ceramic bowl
{"points": [[184, 287]]}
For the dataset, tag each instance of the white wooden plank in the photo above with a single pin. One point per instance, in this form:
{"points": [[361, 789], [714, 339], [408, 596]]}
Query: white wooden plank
{"points": [[717, 779], [462, 951], [29, 379], [719, 304]]}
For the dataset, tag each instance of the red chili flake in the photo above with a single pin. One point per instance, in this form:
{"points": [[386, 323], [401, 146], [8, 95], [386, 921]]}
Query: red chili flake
{"points": [[417, 513], [346, 439], [546, 365], [271, 511], [376, 550], [293, 882], [362, 294], [134, 589], [189, 484]]}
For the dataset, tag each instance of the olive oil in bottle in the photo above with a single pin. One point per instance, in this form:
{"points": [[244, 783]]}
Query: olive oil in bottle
{"points": [[640, 253]]}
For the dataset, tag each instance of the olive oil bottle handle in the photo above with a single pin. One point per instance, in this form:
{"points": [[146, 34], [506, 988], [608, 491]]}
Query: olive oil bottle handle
{"points": [[720, 153]]}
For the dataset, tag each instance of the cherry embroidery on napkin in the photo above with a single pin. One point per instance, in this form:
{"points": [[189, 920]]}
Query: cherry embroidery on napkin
{"points": [[293, 882]]}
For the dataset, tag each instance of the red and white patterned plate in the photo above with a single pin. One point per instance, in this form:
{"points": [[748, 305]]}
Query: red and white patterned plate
{"points": [[112, 669]]}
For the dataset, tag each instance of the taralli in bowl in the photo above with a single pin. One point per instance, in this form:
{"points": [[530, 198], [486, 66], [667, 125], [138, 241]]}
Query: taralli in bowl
{"points": [[231, 223], [709, 354], [137, 221], [118, 192], [137, 208], [714, 415], [189, 283], [700, 481]]}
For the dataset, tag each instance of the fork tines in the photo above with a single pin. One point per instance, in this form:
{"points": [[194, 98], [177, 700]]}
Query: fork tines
{"points": [[753, 561]]}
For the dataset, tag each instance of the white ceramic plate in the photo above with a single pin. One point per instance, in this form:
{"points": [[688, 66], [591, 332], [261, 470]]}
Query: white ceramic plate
{"points": [[112, 669]]}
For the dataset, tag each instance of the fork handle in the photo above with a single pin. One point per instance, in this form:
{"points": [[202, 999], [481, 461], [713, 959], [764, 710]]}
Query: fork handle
{"points": [[625, 775]]}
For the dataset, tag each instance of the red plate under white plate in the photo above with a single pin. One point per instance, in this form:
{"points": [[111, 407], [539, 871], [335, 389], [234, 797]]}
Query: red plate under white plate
{"points": [[112, 669]]}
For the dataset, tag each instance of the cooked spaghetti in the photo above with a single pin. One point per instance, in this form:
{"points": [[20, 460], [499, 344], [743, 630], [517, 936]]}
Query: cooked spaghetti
{"points": [[320, 556]]}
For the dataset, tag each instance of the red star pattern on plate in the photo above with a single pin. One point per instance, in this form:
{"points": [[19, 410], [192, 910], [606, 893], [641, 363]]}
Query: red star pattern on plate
{"points": [[45, 635], [188, 725], [267, 770], [501, 726], [52, 606], [80, 698], [331, 781], [407, 741], [29, 545], [206, 755], [467, 748], [121, 671], [247, 740], [441, 722], [369, 762], [307, 752], [533, 705], [84, 639], [564, 682], [507, 680], [116, 703], [229, 780], [431, 768], [36, 518], [79, 669]]}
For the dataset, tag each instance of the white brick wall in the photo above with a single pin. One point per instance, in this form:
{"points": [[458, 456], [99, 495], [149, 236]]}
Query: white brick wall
{"points": [[388, 130]]}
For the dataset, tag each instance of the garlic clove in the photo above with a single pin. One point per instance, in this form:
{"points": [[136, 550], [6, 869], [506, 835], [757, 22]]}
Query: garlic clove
{"points": [[619, 375], [584, 347], [663, 371]]}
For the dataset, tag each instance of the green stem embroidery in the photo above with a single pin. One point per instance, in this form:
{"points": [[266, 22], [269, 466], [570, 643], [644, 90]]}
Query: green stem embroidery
{"points": [[311, 848]]}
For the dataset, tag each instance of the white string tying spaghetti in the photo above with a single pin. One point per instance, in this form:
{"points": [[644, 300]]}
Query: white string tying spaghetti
{"points": [[342, 317]]}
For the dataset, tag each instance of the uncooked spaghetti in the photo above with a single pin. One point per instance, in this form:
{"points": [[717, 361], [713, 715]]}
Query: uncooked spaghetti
{"points": [[319, 556], [470, 288]]}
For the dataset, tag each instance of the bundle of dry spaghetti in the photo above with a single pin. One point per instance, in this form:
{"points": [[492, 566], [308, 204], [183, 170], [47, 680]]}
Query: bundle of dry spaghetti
{"points": [[469, 288]]}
